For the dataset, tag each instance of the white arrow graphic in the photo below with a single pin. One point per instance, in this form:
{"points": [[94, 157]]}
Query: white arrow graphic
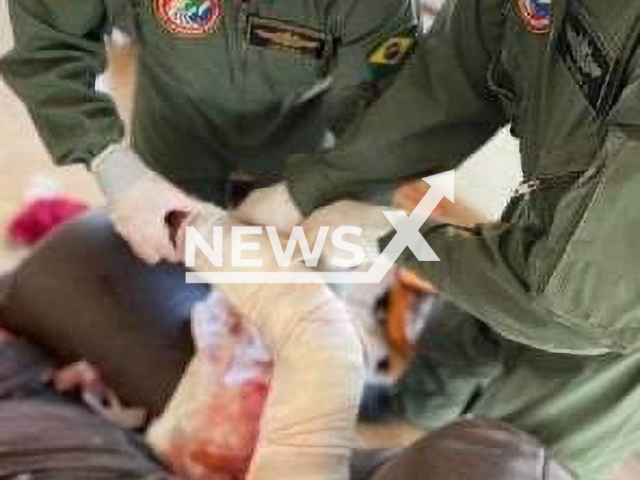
{"points": [[408, 227]]}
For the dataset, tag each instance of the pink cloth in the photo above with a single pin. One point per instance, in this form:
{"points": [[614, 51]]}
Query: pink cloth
{"points": [[40, 217], [5, 336]]}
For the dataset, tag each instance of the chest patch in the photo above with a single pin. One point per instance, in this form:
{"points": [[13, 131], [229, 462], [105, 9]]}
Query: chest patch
{"points": [[584, 53], [188, 18], [536, 14], [278, 35]]}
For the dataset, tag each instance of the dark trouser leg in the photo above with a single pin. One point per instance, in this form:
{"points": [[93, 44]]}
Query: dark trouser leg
{"points": [[52, 439], [47, 437], [456, 357], [83, 295], [473, 449]]}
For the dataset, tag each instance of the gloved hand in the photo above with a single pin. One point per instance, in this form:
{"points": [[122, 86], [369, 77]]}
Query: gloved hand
{"points": [[270, 206], [139, 201], [369, 219], [317, 351], [274, 206]]}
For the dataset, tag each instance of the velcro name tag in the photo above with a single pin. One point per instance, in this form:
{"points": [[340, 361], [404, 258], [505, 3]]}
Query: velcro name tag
{"points": [[584, 53], [278, 35]]}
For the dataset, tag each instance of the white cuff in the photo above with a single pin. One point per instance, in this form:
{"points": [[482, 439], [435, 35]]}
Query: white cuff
{"points": [[117, 169]]}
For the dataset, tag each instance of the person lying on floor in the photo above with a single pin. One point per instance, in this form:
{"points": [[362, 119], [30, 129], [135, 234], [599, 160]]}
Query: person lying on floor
{"points": [[49, 435], [296, 439], [129, 345]]}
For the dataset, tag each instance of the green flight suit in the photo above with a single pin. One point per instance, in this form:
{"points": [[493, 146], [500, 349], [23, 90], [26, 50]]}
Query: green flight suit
{"points": [[558, 275], [224, 86]]}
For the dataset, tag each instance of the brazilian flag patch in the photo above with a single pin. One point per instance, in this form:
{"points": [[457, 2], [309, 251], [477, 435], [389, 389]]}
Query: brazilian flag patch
{"points": [[389, 56]]}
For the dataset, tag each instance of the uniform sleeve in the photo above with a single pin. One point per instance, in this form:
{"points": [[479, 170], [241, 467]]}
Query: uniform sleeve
{"points": [[435, 114], [590, 301], [57, 55]]}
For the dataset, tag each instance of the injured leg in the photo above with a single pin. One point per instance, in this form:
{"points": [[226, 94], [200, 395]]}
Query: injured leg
{"points": [[307, 428], [210, 428]]}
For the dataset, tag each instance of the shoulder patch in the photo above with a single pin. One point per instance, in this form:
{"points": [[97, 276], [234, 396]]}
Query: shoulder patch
{"points": [[391, 53], [393, 50], [188, 18], [537, 15]]}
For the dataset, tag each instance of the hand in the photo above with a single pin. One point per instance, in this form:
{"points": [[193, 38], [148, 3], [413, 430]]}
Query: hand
{"points": [[270, 206], [368, 218], [85, 379], [140, 202], [273, 206]]}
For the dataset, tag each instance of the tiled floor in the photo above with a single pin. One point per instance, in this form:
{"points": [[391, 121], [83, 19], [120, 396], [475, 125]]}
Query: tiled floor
{"points": [[22, 159]]}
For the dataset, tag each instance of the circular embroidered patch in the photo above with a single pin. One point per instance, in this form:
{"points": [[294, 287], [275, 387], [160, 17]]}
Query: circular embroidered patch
{"points": [[536, 14], [188, 18]]}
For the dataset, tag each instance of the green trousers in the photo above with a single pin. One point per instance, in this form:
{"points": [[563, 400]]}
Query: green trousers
{"points": [[584, 408]]}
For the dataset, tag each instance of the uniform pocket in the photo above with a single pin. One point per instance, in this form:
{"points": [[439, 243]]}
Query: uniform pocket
{"points": [[596, 283], [288, 56], [286, 73]]}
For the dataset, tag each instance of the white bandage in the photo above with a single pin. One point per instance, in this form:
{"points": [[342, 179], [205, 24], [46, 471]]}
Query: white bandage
{"points": [[308, 426], [368, 219], [272, 206]]}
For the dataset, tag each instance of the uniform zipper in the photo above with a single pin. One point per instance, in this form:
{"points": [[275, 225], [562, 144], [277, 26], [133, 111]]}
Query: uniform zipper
{"points": [[240, 49]]}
